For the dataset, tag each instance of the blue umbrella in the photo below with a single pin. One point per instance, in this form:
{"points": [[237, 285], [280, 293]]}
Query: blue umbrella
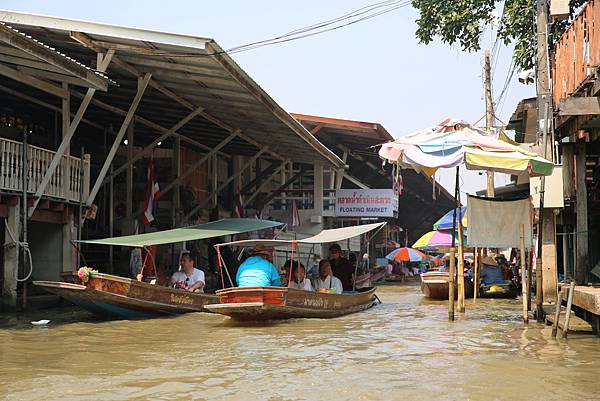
{"points": [[445, 223]]}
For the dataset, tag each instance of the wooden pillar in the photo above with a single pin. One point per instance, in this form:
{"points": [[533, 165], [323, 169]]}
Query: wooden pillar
{"points": [[476, 264], [461, 269], [523, 274], [581, 233], [451, 272], [66, 123], [11, 258], [214, 180], [175, 172], [549, 278], [318, 196], [129, 173]]}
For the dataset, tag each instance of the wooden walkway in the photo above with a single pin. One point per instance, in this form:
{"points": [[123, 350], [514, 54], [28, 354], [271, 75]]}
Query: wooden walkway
{"points": [[587, 298]]}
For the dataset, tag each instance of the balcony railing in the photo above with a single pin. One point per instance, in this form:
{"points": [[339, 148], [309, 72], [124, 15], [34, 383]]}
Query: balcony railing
{"points": [[577, 53], [65, 183]]}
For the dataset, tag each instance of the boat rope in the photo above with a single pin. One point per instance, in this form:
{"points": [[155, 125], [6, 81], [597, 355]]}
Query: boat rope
{"points": [[25, 246], [377, 298], [292, 263]]}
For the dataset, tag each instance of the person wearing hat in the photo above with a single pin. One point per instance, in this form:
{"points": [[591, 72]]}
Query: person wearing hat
{"points": [[257, 270], [491, 273], [341, 267]]}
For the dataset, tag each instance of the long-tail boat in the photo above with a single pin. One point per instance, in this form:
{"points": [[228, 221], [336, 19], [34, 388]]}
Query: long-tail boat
{"points": [[268, 303], [434, 285], [119, 297]]}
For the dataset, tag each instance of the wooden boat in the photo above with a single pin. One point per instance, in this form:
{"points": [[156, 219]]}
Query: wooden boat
{"points": [[377, 273], [118, 297], [504, 290], [270, 303], [434, 285]]}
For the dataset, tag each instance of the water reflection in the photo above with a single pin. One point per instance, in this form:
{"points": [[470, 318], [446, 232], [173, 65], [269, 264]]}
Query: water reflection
{"points": [[402, 349]]}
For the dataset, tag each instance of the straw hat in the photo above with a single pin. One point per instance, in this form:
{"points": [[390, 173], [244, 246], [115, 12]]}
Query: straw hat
{"points": [[260, 249], [489, 260]]}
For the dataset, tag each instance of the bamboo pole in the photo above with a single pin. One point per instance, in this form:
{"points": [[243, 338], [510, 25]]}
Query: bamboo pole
{"points": [[451, 272], [461, 269], [523, 274], [529, 278], [557, 313], [568, 312], [475, 268]]}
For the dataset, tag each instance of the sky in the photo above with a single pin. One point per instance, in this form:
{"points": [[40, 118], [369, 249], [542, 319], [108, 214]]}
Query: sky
{"points": [[374, 71]]}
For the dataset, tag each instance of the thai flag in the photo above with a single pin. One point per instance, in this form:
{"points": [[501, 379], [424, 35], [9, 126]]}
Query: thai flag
{"points": [[294, 216], [152, 195], [239, 205]]}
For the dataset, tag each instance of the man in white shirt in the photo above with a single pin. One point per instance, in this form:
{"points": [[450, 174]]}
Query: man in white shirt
{"points": [[188, 278], [326, 279], [299, 280]]}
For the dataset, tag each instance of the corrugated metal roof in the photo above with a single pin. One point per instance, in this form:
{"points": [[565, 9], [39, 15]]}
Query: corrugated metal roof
{"points": [[187, 72]]}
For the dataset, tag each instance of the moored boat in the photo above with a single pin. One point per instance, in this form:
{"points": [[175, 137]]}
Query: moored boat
{"points": [[435, 285], [272, 303], [119, 297]]}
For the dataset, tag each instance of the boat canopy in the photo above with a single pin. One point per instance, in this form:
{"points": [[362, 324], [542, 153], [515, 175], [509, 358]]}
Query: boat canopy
{"points": [[332, 235], [213, 229]]}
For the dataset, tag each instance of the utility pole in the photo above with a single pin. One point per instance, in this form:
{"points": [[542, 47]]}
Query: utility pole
{"points": [[544, 122], [489, 114]]}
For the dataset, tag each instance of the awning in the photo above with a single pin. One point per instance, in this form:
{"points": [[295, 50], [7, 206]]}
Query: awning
{"points": [[325, 236], [201, 231]]}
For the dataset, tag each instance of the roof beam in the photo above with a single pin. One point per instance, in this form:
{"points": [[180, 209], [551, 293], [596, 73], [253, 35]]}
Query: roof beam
{"points": [[142, 85], [265, 183], [51, 56], [37, 83]]}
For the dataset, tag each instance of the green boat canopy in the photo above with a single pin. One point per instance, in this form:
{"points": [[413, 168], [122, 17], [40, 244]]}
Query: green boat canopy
{"points": [[213, 229]]}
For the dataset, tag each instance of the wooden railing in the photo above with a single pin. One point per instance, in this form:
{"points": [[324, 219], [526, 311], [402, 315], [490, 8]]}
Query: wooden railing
{"points": [[65, 183], [577, 53]]}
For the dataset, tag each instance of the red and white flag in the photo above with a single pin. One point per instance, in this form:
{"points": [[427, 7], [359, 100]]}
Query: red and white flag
{"points": [[239, 205], [294, 220], [152, 194]]}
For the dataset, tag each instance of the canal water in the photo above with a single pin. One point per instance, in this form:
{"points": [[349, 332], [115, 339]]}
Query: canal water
{"points": [[403, 349]]}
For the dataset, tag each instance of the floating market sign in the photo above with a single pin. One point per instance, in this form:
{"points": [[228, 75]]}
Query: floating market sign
{"points": [[365, 203]]}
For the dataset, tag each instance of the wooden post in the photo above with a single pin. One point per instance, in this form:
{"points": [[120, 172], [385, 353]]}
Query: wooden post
{"points": [[451, 272], [523, 274], [557, 314], [529, 278], [476, 261], [539, 298], [461, 270], [129, 174], [568, 312], [549, 277], [581, 233]]}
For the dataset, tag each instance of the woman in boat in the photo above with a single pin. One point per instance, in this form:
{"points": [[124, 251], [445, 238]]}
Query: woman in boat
{"points": [[257, 270], [491, 273], [326, 280], [299, 280]]}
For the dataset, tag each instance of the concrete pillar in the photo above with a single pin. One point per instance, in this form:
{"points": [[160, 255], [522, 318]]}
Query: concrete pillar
{"points": [[549, 280], [11, 258], [581, 232]]}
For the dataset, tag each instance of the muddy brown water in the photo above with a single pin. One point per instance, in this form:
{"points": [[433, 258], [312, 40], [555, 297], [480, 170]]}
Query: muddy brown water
{"points": [[403, 349]]}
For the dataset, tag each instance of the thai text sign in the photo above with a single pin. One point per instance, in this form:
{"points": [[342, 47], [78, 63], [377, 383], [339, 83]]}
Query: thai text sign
{"points": [[365, 203]]}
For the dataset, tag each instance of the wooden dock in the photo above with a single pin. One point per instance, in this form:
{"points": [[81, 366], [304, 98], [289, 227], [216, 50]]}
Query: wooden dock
{"points": [[587, 298]]}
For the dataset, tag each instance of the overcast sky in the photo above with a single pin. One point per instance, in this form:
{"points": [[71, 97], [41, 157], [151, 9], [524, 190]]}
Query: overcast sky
{"points": [[372, 71]]}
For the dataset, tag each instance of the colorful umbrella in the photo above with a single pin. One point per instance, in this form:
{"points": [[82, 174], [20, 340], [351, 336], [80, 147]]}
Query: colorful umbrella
{"points": [[446, 222], [454, 142], [437, 239], [406, 255]]}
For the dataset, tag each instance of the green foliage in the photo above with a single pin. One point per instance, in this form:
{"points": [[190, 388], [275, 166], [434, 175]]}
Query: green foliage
{"points": [[462, 22]]}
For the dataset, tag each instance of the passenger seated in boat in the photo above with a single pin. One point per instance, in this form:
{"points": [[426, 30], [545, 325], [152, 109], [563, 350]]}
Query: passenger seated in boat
{"points": [[326, 280], [257, 270], [188, 278], [491, 273], [299, 280]]}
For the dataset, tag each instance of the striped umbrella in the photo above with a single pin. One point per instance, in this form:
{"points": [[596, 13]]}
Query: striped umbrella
{"points": [[406, 255]]}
